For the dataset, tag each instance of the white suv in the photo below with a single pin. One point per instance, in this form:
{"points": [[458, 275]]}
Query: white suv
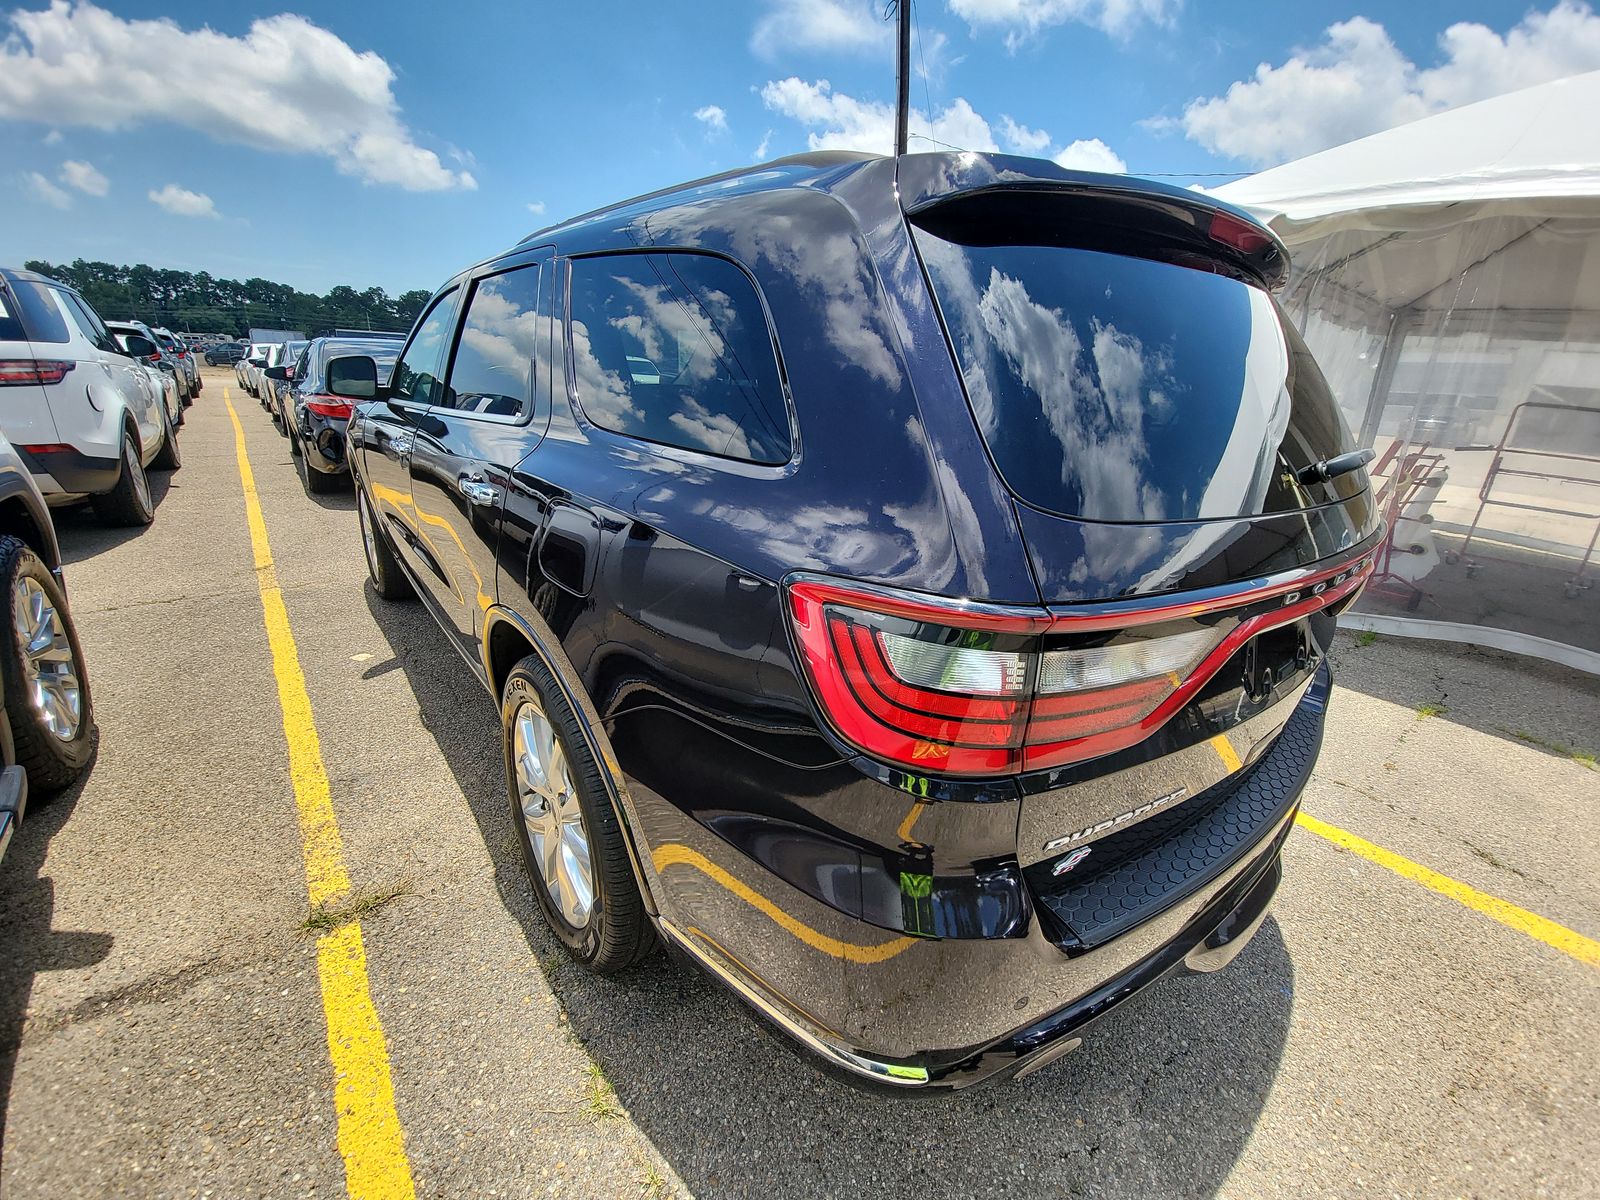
{"points": [[83, 414]]}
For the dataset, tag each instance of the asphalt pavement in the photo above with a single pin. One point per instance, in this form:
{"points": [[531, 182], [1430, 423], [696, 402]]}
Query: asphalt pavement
{"points": [[162, 1027]]}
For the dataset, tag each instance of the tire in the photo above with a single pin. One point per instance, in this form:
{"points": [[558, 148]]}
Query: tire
{"points": [[42, 702], [129, 502], [314, 481], [168, 458], [607, 929], [383, 568]]}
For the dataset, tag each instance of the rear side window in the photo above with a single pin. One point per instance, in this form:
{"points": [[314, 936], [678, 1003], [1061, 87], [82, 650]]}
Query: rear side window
{"points": [[1116, 388], [88, 320], [28, 314], [674, 348], [498, 356]]}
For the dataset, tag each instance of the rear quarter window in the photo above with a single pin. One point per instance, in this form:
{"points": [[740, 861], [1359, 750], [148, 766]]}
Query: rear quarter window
{"points": [[30, 315], [674, 348]]}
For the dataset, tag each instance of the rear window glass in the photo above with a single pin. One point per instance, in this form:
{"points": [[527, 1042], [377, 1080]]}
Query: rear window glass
{"points": [[674, 348], [28, 314], [1115, 388]]}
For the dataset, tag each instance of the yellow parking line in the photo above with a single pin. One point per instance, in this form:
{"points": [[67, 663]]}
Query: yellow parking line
{"points": [[370, 1139], [1585, 950]]}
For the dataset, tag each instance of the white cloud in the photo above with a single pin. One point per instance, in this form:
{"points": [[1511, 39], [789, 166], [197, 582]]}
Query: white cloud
{"points": [[288, 86], [825, 25], [84, 177], [844, 123], [181, 202], [713, 118], [53, 138], [1020, 139], [1023, 19], [536, 207], [45, 191], [1091, 154], [1357, 82], [764, 147]]}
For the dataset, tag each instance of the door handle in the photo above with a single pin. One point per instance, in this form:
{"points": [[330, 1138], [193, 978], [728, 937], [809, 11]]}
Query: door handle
{"points": [[478, 491]]}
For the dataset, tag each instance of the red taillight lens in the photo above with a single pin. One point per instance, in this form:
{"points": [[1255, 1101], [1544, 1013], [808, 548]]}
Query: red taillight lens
{"points": [[155, 358], [16, 371], [1241, 235], [961, 689], [330, 406]]}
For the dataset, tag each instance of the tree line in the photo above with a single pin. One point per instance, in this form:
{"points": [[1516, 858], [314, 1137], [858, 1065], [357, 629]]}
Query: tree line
{"points": [[196, 302]]}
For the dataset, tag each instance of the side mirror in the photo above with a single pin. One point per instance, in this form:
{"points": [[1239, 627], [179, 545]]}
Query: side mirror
{"points": [[276, 372], [355, 377], [137, 346]]}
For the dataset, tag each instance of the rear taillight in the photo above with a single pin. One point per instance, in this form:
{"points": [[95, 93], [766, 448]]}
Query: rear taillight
{"points": [[945, 687], [330, 406], [16, 371]]}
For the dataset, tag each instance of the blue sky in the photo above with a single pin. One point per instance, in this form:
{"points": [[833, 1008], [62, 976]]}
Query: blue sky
{"points": [[392, 143]]}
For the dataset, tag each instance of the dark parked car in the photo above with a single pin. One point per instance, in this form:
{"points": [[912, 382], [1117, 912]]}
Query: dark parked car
{"points": [[907, 584], [274, 388], [315, 418], [225, 355], [46, 716]]}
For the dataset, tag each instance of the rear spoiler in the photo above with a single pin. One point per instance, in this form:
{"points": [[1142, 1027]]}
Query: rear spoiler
{"points": [[997, 198]]}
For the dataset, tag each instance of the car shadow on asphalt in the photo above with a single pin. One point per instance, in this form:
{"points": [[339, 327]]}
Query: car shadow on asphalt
{"points": [[1159, 1101], [82, 533], [27, 908]]}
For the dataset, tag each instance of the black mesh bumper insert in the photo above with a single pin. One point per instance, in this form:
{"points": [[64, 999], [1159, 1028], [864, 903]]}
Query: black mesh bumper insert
{"points": [[1135, 873]]}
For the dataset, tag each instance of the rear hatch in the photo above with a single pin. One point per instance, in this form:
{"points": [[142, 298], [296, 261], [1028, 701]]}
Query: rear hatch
{"points": [[33, 352], [1162, 430]]}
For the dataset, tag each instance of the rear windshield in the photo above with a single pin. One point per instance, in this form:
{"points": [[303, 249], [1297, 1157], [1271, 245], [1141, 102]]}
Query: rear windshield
{"points": [[1115, 388]]}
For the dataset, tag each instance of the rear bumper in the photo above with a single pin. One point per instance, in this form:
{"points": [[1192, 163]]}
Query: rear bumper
{"points": [[72, 472], [924, 1013], [324, 444]]}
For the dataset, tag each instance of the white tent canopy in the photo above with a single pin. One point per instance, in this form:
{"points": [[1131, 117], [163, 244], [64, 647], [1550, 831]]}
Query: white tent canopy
{"points": [[1447, 275], [1542, 143]]}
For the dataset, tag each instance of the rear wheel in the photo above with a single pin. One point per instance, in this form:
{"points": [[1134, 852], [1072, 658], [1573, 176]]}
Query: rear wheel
{"points": [[315, 482], [571, 842], [168, 457], [46, 691], [129, 502], [383, 568]]}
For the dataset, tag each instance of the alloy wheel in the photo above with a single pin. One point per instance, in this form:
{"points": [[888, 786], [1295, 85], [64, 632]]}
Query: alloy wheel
{"points": [[50, 673], [548, 798], [131, 463], [367, 537]]}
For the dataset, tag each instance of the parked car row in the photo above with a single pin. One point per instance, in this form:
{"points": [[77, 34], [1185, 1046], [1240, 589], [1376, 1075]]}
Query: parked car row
{"points": [[85, 408], [296, 384], [88, 410], [907, 583]]}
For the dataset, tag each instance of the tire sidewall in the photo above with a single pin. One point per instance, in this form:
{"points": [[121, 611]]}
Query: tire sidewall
{"points": [[27, 727], [529, 680]]}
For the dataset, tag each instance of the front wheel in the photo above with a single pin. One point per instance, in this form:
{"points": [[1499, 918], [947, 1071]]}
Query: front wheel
{"points": [[572, 844], [129, 502], [383, 568], [46, 690]]}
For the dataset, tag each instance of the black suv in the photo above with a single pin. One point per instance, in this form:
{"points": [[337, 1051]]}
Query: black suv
{"points": [[906, 582]]}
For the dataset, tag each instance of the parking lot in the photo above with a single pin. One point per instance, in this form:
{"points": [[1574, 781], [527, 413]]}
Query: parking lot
{"points": [[1400, 1026]]}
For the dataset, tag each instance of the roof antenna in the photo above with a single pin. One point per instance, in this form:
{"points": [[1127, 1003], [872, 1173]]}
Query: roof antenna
{"points": [[902, 101]]}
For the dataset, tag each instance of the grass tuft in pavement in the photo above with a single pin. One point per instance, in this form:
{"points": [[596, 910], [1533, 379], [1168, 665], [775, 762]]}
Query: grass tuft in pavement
{"points": [[1366, 637], [1582, 757], [330, 915], [601, 1102], [1424, 711]]}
